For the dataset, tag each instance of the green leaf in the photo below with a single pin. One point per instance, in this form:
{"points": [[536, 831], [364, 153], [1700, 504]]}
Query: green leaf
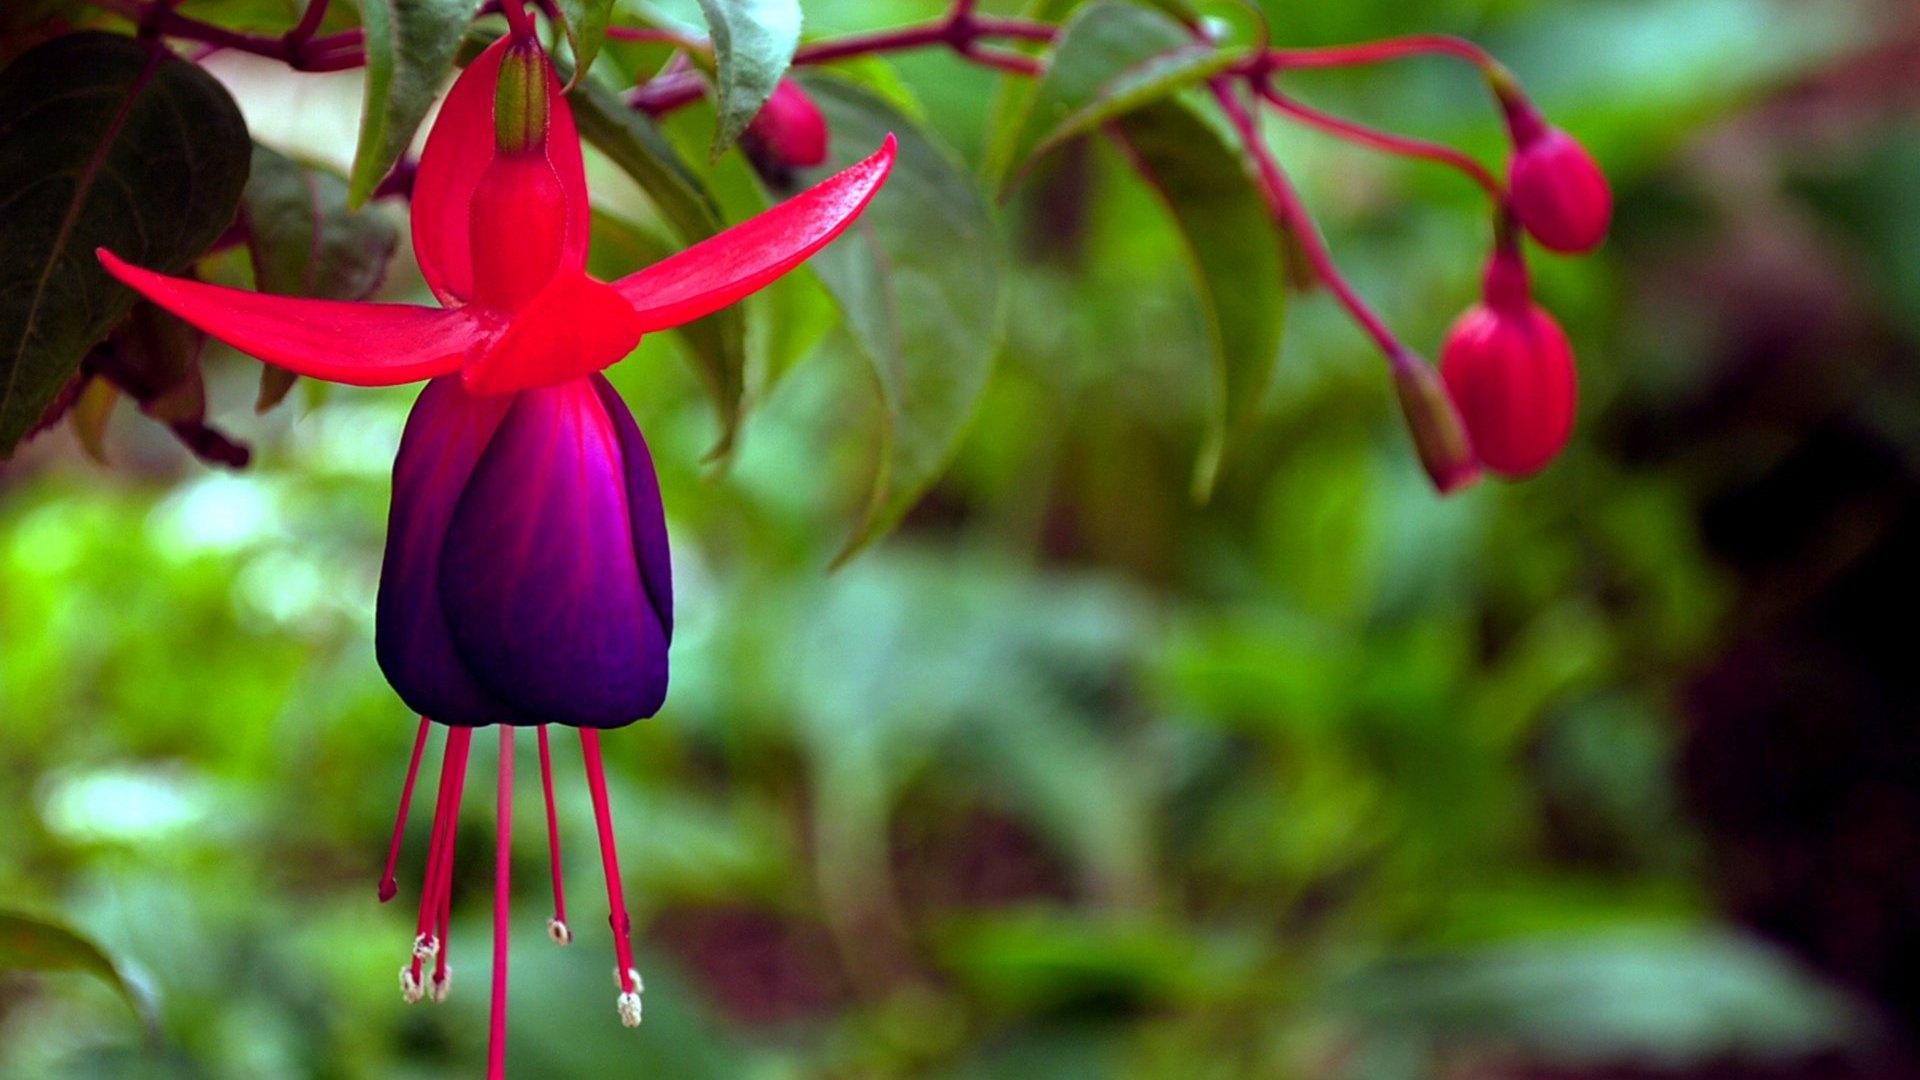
{"points": [[753, 42], [410, 47], [304, 241], [1233, 251], [103, 143], [32, 944], [717, 344], [1112, 58], [634, 144], [1676, 998], [919, 279], [586, 22]]}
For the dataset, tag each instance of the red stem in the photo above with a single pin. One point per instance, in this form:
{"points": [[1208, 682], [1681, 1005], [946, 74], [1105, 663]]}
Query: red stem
{"points": [[1374, 52], [502, 892], [553, 837], [1402, 145], [517, 22], [309, 24], [1292, 214], [387, 884], [609, 857]]}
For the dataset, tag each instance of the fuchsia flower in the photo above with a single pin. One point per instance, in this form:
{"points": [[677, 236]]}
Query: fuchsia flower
{"points": [[790, 130], [1559, 194], [1509, 368], [526, 578]]}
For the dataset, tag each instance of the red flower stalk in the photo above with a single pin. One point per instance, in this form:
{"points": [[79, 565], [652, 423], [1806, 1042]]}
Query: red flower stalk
{"points": [[1558, 193], [1509, 368], [526, 578], [790, 132]]}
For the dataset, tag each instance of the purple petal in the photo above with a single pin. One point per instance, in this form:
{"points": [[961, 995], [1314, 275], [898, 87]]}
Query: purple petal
{"points": [[539, 579], [643, 501], [446, 434]]}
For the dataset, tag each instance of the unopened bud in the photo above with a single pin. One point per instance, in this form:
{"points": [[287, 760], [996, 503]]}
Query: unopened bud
{"points": [[790, 132], [1508, 368], [1558, 192], [1439, 435], [520, 105]]}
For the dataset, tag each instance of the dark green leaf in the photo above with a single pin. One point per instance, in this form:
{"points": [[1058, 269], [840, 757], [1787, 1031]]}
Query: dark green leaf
{"points": [[305, 242], [410, 47], [102, 144], [1113, 57], [717, 344], [32, 944], [155, 357], [1233, 251], [587, 22], [753, 42], [919, 279], [686, 207]]}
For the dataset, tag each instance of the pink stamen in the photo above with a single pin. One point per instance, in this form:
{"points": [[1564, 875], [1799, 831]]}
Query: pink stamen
{"points": [[557, 929], [388, 887], [609, 860], [446, 815], [502, 867]]}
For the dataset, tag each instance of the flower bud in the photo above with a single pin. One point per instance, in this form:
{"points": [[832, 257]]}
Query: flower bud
{"points": [[1559, 194], [1509, 369], [520, 107], [790, 132], [1439, 436]]}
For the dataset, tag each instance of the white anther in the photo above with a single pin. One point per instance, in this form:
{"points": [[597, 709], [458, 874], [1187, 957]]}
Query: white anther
{"points": [[442, 983], [628, 1003], [409, 985], [559, 932], [425, 948]]}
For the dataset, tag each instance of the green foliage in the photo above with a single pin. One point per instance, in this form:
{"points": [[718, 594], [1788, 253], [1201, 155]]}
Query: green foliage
{"points": [[1068, 776], [586, 22], [1114, 56], [30, 944], [306, 242], [919, 280], [1674, 999], [103, 144], [410, 48], [688, 210], [1234, 253], [753, 42]]}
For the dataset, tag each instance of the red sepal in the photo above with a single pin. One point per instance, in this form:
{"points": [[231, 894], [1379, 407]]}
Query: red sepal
{"points": [[721, 269], [459, 149], [358, 343]]}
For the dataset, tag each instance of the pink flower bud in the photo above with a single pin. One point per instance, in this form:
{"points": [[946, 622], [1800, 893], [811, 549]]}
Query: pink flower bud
{"points": [[1559, 193], [790, 131], [1509, 368]]}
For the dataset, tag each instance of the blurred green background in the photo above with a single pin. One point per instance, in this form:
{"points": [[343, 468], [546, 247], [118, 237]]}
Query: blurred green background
{"points": [[1608, 774]]}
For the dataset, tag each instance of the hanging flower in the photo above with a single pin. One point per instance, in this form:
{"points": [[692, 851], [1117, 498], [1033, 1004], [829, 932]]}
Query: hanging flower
{"points": [[526, 578], [1559, 194], [1509, 368]]}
